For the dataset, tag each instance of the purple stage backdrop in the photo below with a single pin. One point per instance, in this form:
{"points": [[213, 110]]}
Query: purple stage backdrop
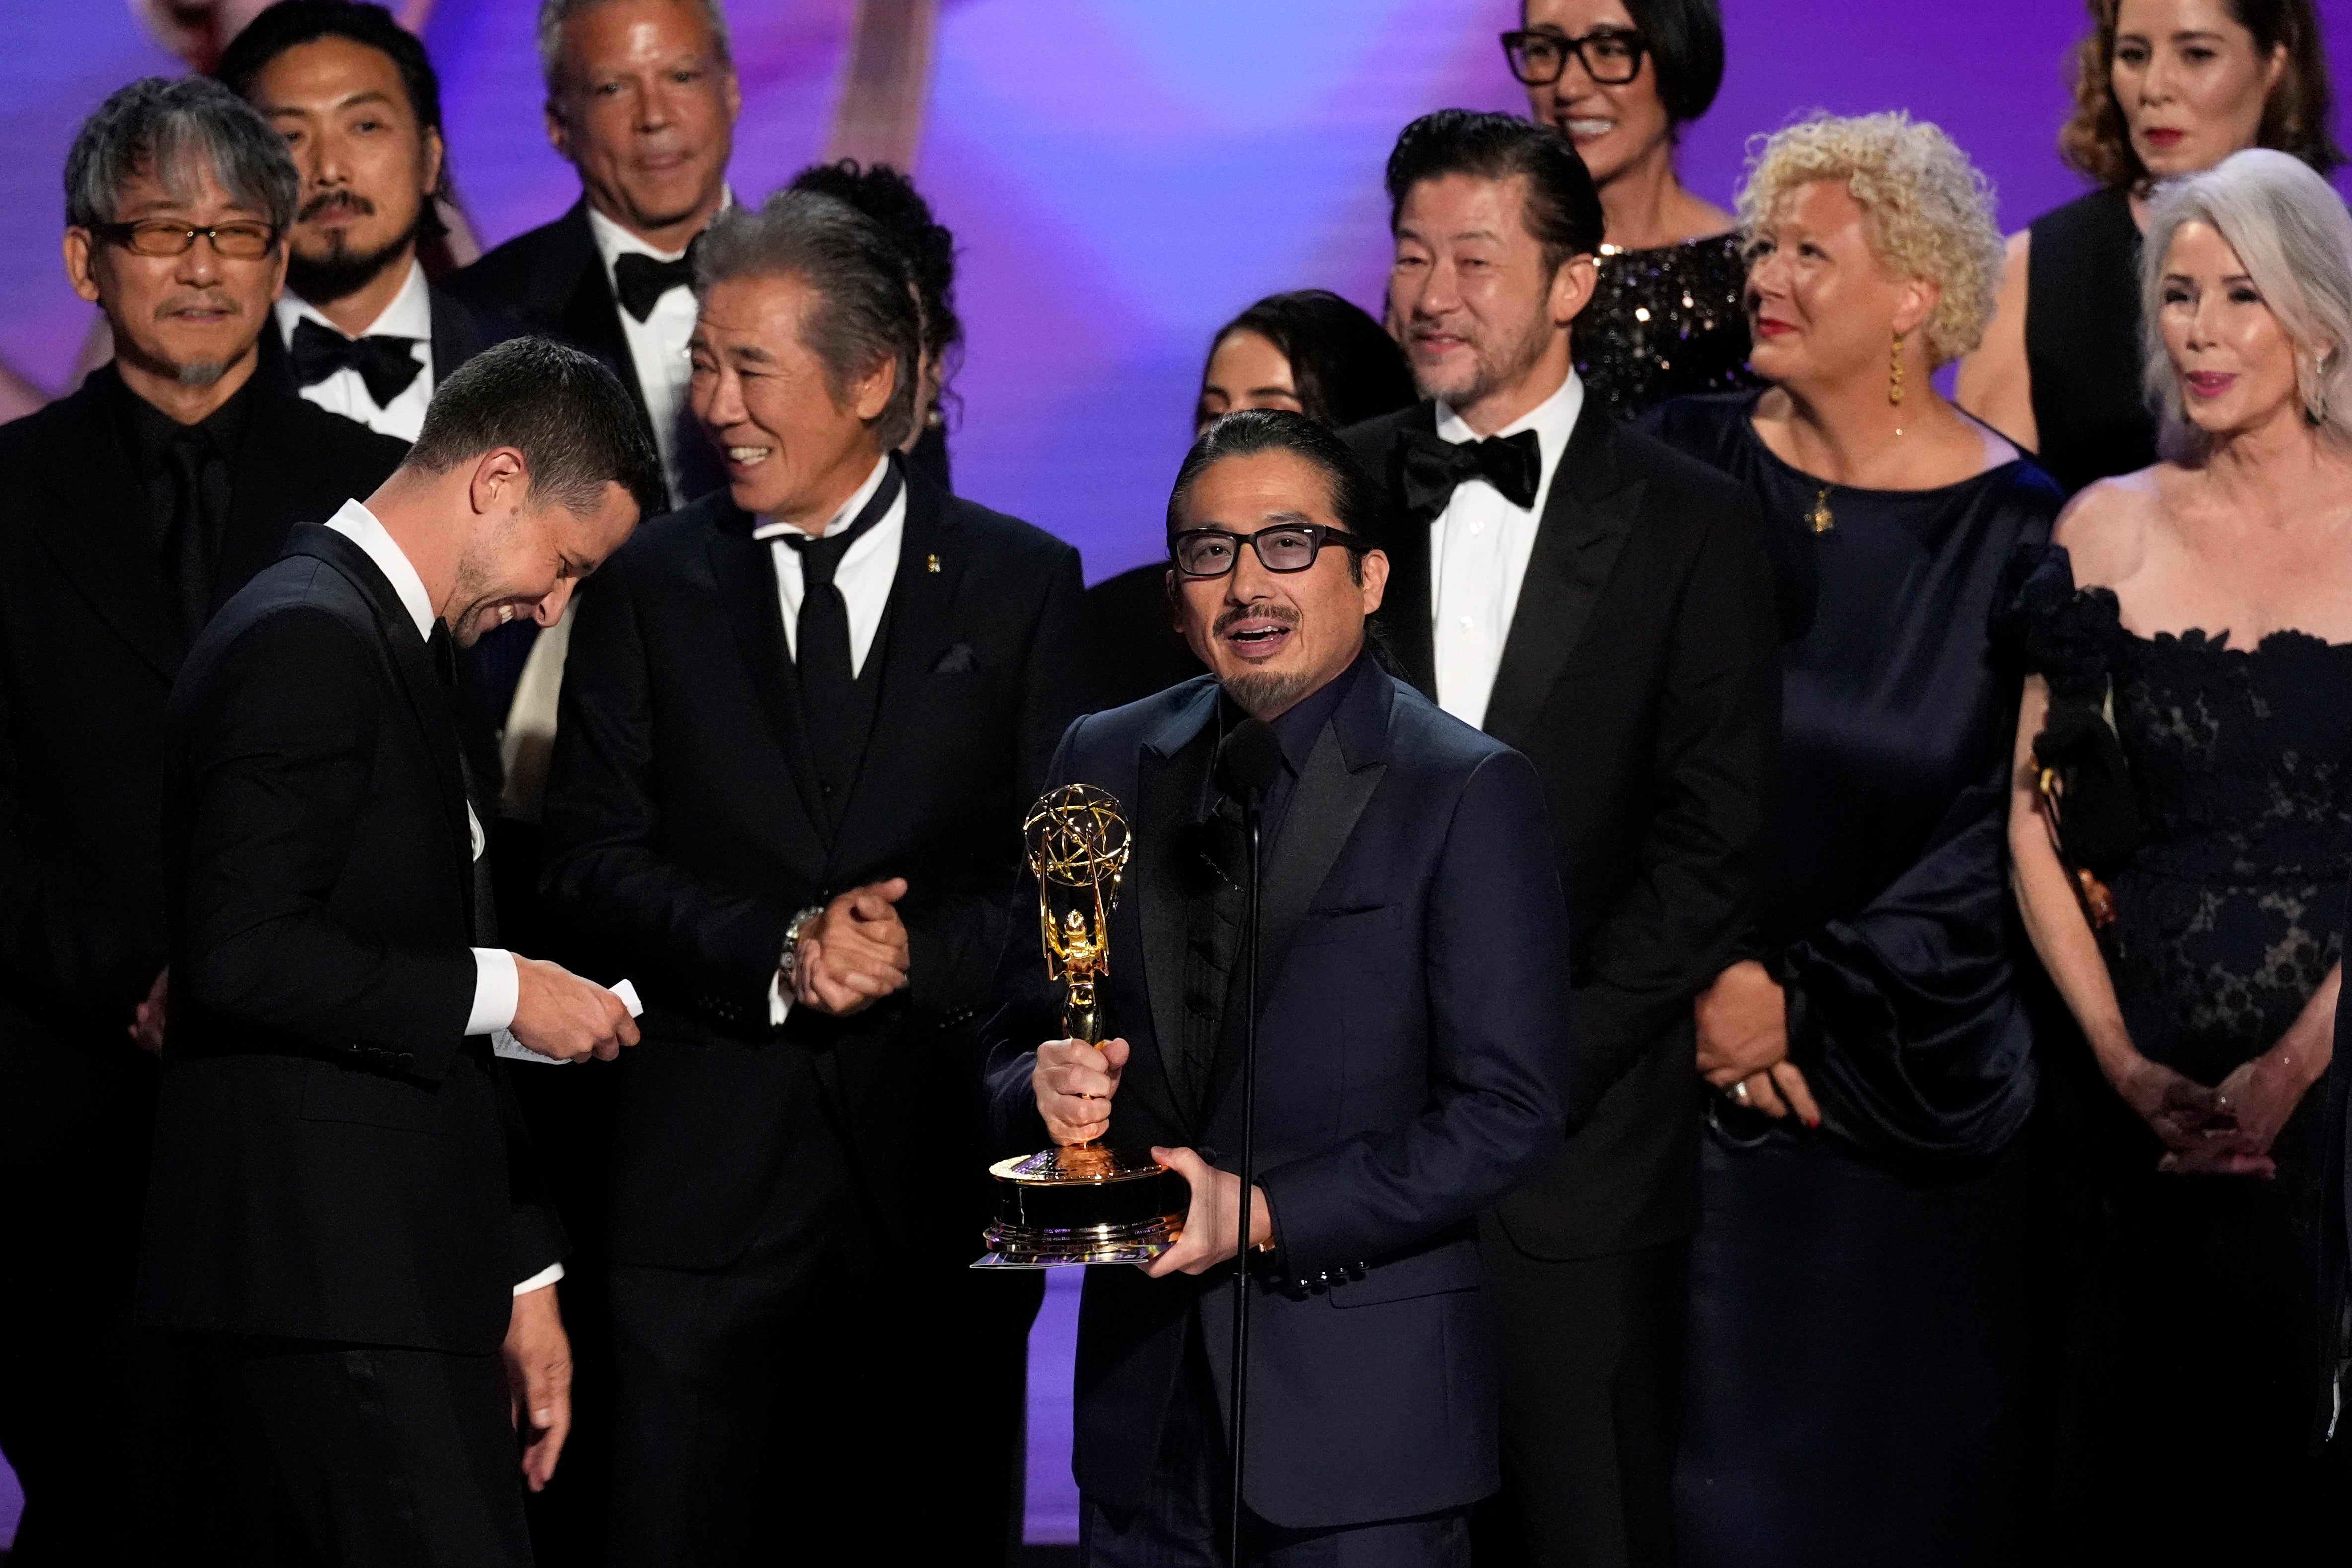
{"points": [[1123, 175]]}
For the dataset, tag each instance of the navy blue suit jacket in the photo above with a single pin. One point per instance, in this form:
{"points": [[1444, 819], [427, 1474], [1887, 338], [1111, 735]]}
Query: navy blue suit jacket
{"points": [[1411, 1021]]}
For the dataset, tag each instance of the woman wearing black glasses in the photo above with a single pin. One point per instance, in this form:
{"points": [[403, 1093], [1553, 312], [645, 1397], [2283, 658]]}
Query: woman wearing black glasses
{"points": [[1620, 79]]}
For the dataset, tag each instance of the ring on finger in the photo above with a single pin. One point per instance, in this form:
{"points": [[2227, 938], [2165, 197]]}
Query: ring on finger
{"points": [[1739, 1091]]}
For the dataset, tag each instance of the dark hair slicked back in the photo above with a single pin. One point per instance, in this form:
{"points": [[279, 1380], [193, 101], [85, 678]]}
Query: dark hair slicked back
{"points": [[1563, 208], [291, 23], [1357, 504], [577, 429]]}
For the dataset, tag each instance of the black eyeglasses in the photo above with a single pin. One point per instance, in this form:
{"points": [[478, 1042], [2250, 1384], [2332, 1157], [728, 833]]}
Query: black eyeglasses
{"points": [[237, 241], [1611, 56], [1285, 547]]}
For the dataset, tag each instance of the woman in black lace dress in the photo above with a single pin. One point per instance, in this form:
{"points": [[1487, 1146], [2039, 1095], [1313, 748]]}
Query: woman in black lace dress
{"points": [[1619, 77], [2206, 603]]}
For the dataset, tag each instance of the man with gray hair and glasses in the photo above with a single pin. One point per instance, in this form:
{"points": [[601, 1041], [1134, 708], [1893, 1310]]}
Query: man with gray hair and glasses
{"points": [[133, 508], [801, 722]]}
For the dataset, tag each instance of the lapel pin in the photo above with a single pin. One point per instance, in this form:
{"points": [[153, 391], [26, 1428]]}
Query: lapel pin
{"points": [[935, 563]]}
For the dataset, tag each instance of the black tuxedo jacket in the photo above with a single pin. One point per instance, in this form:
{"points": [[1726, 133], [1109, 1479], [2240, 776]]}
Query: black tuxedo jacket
{"points": [[1413, 1038], [335, 1159], [1641, 675], [684, 833], [90, 640], [550, 281]]}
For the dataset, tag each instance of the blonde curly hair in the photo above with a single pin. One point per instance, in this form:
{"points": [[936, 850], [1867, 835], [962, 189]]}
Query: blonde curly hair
{"points": [[1927, 209]]}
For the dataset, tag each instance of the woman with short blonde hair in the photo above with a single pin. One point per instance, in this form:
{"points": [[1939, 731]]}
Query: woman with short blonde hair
{"points": [[2181, 826], [1871, 1058]]}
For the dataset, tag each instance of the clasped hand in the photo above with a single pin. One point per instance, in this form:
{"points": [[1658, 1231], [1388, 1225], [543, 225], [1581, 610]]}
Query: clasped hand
{"points": [[855, 953], [1743, 1042], [2226, 1129]]}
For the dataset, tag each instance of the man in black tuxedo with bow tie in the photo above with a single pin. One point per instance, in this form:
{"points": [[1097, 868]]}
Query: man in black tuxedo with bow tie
{"points": [[365, 334], [347, 1234], [1605, 605], [802, 719], [132, 508], [642, 100]]}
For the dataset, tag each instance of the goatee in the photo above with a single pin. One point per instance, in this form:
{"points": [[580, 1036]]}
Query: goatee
{"points": [[343, 272]]}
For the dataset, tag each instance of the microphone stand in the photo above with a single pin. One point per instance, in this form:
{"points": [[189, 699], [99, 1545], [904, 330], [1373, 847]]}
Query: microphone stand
{"points": [[1236, 1424]]}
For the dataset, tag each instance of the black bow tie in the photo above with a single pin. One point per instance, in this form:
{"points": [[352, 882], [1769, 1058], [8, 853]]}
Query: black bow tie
{"points": [[641, 281], [386, 364], [1432, 466]]}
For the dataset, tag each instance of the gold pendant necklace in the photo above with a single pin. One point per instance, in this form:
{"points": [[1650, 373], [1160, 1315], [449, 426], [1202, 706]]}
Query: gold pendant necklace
{"points": [[1820, 519]]}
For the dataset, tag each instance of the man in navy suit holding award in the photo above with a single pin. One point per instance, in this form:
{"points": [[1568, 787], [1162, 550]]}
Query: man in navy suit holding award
{"points": [[1411, 1014]]}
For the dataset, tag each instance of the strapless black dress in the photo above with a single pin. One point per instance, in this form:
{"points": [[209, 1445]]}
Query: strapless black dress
{"points": [[2202, 1363]]}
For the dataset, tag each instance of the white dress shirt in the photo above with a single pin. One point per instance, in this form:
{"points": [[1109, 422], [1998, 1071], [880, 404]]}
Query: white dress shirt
{"points": [[410, 315], [656, 344], [497, 986], [1478, 550], [864, 577]]}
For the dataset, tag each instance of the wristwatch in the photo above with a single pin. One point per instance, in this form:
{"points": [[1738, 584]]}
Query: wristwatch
{"points": [[790, 961]]}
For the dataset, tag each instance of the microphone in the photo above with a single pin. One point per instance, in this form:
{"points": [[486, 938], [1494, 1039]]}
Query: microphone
{"points": [[1249, 760]]}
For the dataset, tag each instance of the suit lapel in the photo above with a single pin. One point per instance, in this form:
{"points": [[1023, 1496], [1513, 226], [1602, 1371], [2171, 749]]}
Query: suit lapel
{"points": [[263, 477], [457, 336], [571, 291], [413, 667], [1342, 773], [745, 570], [98, 532], [1171, 766], [915, 630], [1405, 619], [1587, 519]]}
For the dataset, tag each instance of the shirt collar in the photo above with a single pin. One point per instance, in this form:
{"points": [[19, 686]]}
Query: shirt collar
{"points": [[1553, 420], [360, 526], [1299, 726], [613, 240], [764, 526], [410, 314]]}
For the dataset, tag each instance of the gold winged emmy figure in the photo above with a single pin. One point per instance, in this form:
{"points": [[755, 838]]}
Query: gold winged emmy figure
{"points": [[1087, 1203]]}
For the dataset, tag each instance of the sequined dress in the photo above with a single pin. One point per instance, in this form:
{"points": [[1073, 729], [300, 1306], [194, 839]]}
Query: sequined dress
{"points": [[1665, 323]]}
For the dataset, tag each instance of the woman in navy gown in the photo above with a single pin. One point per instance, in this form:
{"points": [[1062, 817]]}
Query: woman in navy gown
{"points": [[1856, 1365], [2204, 609]]}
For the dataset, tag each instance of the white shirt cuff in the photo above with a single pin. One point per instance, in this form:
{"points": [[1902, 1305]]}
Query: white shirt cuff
{"points": [[779, 1000], [498, 989], [541, 1281]]}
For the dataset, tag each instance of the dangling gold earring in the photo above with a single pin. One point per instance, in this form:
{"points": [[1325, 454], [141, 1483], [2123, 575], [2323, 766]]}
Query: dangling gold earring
{"points": [[1894, 371], [2315, 411]]}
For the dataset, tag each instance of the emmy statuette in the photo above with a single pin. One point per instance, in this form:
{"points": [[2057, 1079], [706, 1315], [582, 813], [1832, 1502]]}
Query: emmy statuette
{"points": [[1087, 1203]]}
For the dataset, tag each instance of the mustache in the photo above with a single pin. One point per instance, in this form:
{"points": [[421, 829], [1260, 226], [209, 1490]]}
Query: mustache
{"points": [[1280, 614], [227, 304], [351, 201]]}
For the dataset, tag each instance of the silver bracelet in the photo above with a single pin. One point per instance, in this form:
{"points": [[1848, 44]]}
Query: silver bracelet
{"points": [[790, 963]]}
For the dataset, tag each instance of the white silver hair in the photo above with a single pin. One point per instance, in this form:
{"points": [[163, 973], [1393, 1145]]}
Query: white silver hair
{"points": [[171, 127], [554, 14], [2293, 237]]}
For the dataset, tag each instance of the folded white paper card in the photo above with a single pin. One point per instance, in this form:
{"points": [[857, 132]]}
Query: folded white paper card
{"points": [[504, 1044]]}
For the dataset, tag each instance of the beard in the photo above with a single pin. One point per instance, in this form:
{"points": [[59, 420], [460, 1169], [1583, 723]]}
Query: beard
{"points": [[1261, 691], [200, 375], [342, 271], [1492, 368]]}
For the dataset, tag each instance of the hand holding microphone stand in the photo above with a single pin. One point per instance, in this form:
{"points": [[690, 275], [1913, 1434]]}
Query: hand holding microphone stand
{"points": [[1249, 760]]}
